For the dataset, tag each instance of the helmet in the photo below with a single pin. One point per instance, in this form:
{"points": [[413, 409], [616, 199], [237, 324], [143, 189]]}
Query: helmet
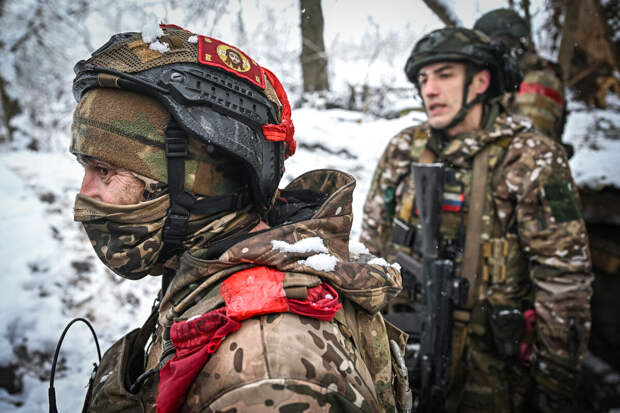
{"points": [[467, 46], [214, 93], [505, 24]]}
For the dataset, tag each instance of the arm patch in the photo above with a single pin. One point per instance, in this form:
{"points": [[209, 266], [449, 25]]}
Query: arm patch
{"points": [[561, 200]]}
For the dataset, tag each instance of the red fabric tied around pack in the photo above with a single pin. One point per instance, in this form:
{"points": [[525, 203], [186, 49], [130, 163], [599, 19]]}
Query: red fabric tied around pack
{"points": [[254, 291], [322, 303], [538, 89], [194, 342], [247, 293]]}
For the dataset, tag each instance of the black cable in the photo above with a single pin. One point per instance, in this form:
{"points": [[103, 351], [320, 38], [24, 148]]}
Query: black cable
{"points": [[52, 391]]}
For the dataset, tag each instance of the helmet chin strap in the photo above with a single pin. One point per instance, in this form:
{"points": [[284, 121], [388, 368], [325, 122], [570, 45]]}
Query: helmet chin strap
{"points": [[465, 106]]}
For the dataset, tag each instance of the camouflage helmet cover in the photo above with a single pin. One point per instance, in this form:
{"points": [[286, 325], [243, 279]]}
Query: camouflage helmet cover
{"points": [[505, 24], [235, 105], [468, 46]]}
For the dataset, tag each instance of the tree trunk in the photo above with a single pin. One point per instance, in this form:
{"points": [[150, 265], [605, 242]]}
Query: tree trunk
{"points": [[9, 108], [567, 45], [525, 5], [313, 58], [443, 12]]}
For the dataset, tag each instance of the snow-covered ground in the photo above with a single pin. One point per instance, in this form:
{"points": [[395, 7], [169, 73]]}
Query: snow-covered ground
{"points": [[50, 274]]}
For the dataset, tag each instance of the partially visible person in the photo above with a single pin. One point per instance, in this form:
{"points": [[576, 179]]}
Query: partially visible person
{"points": [[262, 306], [541, 96], [510, 223]]}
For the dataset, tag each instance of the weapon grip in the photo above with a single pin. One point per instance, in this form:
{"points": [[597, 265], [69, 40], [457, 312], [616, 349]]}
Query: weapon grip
{"points": [[428, 186]]}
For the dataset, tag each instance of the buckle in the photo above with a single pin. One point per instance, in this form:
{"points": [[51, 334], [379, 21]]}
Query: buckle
{"points": [[175, 228], [239, 200], [176, 148]]}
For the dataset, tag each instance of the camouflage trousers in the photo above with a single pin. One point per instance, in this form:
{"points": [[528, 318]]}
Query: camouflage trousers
{"points": [[486, 382]]}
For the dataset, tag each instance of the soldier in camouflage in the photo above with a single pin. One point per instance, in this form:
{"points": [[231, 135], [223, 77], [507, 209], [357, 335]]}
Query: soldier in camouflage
{"points": [[524, 249], [263, 305], [541, 95]]}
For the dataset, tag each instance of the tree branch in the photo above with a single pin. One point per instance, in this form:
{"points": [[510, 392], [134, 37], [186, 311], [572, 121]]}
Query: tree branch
{"points": [[443, 12]]}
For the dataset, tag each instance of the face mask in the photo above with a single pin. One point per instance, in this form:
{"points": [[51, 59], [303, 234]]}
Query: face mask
{"points": [[128, 238]]}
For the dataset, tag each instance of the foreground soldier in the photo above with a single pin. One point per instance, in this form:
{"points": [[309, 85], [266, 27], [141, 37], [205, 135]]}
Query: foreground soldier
{"points": [[541, 94], [261, 308], [524, 249]]}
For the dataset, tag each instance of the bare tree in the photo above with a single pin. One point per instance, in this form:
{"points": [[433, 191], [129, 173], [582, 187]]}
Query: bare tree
{"points": [[567, 44], [313, 58], [444, 13]]}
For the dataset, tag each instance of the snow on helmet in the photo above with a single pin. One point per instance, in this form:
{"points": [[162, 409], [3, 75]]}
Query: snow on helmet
{"points": [[214, 92]]}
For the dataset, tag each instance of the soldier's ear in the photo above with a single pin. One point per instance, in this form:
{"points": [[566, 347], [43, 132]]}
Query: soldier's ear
{"points": [[481, 81]]}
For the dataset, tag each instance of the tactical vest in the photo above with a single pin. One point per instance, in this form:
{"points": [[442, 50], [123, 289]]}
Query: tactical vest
{"points": [[500, 290]]}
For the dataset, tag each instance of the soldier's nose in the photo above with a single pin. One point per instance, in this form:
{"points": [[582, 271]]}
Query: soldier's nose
{"points": [[90, 185]]}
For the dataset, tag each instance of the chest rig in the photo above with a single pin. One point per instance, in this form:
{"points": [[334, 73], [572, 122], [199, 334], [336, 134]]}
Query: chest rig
{"points": [[482, 248]]}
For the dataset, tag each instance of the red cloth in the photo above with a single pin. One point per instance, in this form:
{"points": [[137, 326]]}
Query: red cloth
{"points": [[525, 351], [247, 293], [254, 291], [538, 89], [284, 131], [322, 303], [194, 342]]}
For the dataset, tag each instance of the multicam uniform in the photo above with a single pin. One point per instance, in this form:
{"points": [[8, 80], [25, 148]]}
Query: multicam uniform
{"points": [[280, 361], [534, 255], [540, 96], [278, 320]]}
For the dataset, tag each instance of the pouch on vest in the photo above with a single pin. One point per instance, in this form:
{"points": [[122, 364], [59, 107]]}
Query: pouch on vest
{"points": [[508, 326], [109, 388]]}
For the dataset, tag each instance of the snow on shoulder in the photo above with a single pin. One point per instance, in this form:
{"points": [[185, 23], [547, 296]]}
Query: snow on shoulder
{"points": [[384, 263], [320, 262], [356, 248], [313, 244]]}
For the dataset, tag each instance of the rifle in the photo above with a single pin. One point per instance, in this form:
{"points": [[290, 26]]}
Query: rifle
{"points": [[441, 291]]}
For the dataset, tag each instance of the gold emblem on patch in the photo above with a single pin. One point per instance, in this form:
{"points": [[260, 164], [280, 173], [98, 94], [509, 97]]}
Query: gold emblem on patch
{"points": [[233, 58]]}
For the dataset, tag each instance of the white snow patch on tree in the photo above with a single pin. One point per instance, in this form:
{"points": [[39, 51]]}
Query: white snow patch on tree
{"points": [[320, 262], [313, 244]]}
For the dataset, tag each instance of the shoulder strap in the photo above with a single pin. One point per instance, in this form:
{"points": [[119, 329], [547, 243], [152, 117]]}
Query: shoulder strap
{"points": [[471, 256]]}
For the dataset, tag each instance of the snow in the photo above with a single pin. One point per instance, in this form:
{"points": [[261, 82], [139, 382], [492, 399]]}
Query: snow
{"points": [[160, 47], [320, 262], [151, 30], [313, 244], [596, 140], [383, 263], [50, 274], [357, 248]]}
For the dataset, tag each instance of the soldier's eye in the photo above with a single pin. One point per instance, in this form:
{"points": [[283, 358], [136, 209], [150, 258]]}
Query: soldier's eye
{"points": [[102, 171]]}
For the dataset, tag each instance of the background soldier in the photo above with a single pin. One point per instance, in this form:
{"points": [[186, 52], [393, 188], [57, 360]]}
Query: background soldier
{"points": [[524, 250], [541, 95], [261, 308]]}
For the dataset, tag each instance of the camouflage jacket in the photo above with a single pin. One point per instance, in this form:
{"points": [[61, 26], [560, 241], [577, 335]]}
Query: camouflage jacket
{"points": [[541, 96], [284, 361], [531, 212]]}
